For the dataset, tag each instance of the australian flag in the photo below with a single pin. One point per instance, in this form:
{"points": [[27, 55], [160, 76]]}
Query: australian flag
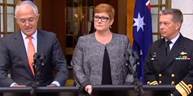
{"points": [[142, 32]]}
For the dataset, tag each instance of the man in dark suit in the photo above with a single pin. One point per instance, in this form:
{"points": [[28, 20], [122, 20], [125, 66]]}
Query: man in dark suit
{"points": [[15, 55], [171, 63]]}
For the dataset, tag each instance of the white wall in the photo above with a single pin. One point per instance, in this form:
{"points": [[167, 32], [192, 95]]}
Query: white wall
{"points": [[186, 7]]}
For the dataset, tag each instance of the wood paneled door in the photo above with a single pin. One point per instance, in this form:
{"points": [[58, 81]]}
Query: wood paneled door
{"points": [[70, 19]]}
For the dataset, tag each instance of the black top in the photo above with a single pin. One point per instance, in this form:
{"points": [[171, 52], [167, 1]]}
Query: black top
{"points": [[106, 74]]}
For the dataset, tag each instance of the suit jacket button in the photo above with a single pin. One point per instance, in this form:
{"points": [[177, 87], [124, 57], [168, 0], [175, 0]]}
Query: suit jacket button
{"points": [[172, 75], [160, 82], [173, 83], [160, 75]]}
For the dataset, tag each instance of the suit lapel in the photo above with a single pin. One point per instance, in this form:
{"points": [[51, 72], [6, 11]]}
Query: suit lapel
{"points": [[22, 51], [40, 42]]}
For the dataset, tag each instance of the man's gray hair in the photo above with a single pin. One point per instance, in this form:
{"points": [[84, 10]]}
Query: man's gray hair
{"points": [[27, 2], [176, 13]]}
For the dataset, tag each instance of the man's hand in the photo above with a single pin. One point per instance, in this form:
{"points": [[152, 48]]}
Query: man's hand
{"points": [[18, 85], [52, 85], [88, 89]]}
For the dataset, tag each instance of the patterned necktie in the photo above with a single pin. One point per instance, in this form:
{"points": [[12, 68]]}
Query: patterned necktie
{"points": [[31, 52]]}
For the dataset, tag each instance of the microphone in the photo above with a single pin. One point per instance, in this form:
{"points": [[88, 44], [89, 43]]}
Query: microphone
{"points": [[35, 63], [37, 67], [39, 60], [133, 60]]}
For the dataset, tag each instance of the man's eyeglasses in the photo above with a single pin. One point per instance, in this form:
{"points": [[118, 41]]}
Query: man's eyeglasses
{"points": [[25, 20], [102, 18]]}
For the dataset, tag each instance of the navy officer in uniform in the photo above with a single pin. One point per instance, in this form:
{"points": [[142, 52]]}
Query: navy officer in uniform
{"points": [[170, 59]]}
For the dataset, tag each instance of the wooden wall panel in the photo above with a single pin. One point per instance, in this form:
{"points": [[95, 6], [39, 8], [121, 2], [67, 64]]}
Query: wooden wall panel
{"points": [[53, 18], [122, 16]]}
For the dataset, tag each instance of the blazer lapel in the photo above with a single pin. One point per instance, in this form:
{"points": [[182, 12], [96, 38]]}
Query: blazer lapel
{"points": [[22, 51], [40, 42]]}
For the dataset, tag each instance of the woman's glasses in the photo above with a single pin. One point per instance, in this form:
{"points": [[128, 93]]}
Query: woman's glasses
{"points": [[101, 18]]}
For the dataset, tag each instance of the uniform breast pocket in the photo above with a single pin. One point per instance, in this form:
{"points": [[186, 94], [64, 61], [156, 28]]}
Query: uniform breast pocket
{"points": [[183, 62]]}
